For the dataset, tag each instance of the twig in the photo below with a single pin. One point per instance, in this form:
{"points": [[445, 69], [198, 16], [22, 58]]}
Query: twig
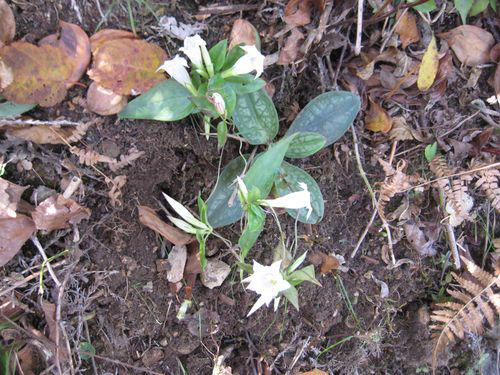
{"points": [[365, 232], [38, 122], [316, 34], [92, 359], [460, 124], [453, 244], [116, 362], [40, 249], [226, 9], [359, 28], [232, 136], [391, 31], [72, 186]]}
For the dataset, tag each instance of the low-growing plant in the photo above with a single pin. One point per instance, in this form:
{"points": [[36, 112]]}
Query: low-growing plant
{"points": [[220, 89]]}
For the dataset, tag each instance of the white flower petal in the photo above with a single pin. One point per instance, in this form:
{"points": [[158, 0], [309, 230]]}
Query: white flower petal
{"points": [[260, 302], [192, 49], [176, 68], [252, 60], [218, 101], [295, 200]]}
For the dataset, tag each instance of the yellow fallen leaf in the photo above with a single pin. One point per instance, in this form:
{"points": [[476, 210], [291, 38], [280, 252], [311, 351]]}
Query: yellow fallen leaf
{"points": [[313, 372], [428, 67]]}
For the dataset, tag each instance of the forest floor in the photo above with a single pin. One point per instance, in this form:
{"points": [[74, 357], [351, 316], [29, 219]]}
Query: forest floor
{"points": [[370, 316]]}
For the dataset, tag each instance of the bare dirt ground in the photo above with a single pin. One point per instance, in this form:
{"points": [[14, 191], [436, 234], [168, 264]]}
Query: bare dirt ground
{"points": [[117, 296]]}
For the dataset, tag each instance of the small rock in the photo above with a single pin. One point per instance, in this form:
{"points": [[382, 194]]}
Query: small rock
{"points": [[203, 323], [177, 261], [152, 357], [215, 273]]}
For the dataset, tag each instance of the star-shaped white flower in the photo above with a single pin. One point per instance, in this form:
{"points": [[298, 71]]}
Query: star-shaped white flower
{"points": [[295, 200], [268, 282], [252, 60]]}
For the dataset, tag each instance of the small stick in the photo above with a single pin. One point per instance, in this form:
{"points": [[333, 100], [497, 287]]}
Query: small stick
{"points": [[226, 9], [232, 136], [71, 188], [38, 122], [359, 28], [453, 244], [40, 249]]}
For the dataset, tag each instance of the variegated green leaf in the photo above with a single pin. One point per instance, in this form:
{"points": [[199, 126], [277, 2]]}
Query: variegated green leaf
{"points": [[305, 144]]}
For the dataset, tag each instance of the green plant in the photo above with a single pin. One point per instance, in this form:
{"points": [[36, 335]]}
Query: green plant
{"points": [[221, 91], [473, 7]]}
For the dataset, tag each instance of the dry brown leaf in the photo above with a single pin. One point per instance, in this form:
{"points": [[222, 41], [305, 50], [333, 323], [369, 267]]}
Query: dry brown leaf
{"points": [[7, 23], [471, 44], [445, 72], [407, 28], [149, 218], [133, 154], [176, 261], [40, 73], [127, 66], [243, 32], [75, 43], [6, 75], [14, 232], [291, 50], [401, 131], [104, 102], [298, 12], [58, 212], [377, 119], [41, 134], [329, 264], [106, 35], [10, 195]]}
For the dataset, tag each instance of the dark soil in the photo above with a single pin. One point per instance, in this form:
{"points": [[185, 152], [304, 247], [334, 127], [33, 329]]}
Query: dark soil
{"points": [[131, 308]]}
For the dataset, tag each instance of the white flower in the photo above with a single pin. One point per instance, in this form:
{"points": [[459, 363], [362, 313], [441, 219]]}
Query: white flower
{"points": [[242, 189], [295, 200], [252, 60], [268, 282], [192, 49], [218, 101], [190, 224], [176, 68]]}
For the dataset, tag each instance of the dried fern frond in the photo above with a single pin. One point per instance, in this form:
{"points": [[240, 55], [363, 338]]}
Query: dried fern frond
{"points": [[475, 304], [115, 186], [396, 181], [454, 189], [90, 157], [488, 182], [125, 160]]}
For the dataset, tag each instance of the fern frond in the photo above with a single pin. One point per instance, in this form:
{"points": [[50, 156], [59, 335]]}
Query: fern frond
{"points": [[476, 305], [488, 182]]}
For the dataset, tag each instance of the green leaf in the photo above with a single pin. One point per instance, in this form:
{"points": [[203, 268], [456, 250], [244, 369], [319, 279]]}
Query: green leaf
{"points": [[287, 182], [218, 54], [221, 134], [479, 6], [298, 262], [250, 235], [200, 236], [304, 274], [463, 8], [234, 54], [426, 7], [493, 4], [202, 208], [86, 347], [305, 144], [11, 109], [329, 114], [292, 295], [167, 101], [245, 83], [261, 175], [256, 218], [430, 151], [256, 118]]}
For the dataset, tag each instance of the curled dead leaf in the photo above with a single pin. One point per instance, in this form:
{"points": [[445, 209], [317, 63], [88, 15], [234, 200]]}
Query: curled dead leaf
{"points": [[127, 66], [243, 32], [7, 23], [40, 73], [407, 28], [329, 264], [10, 195], [291, 50], [75, 43], [106, 35], [377, 119], [149, 218], [49, 310], [14, 232], [298, 12], [471, 44], [176, 261], [104, 102], [57, 212], [422, 243]]}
